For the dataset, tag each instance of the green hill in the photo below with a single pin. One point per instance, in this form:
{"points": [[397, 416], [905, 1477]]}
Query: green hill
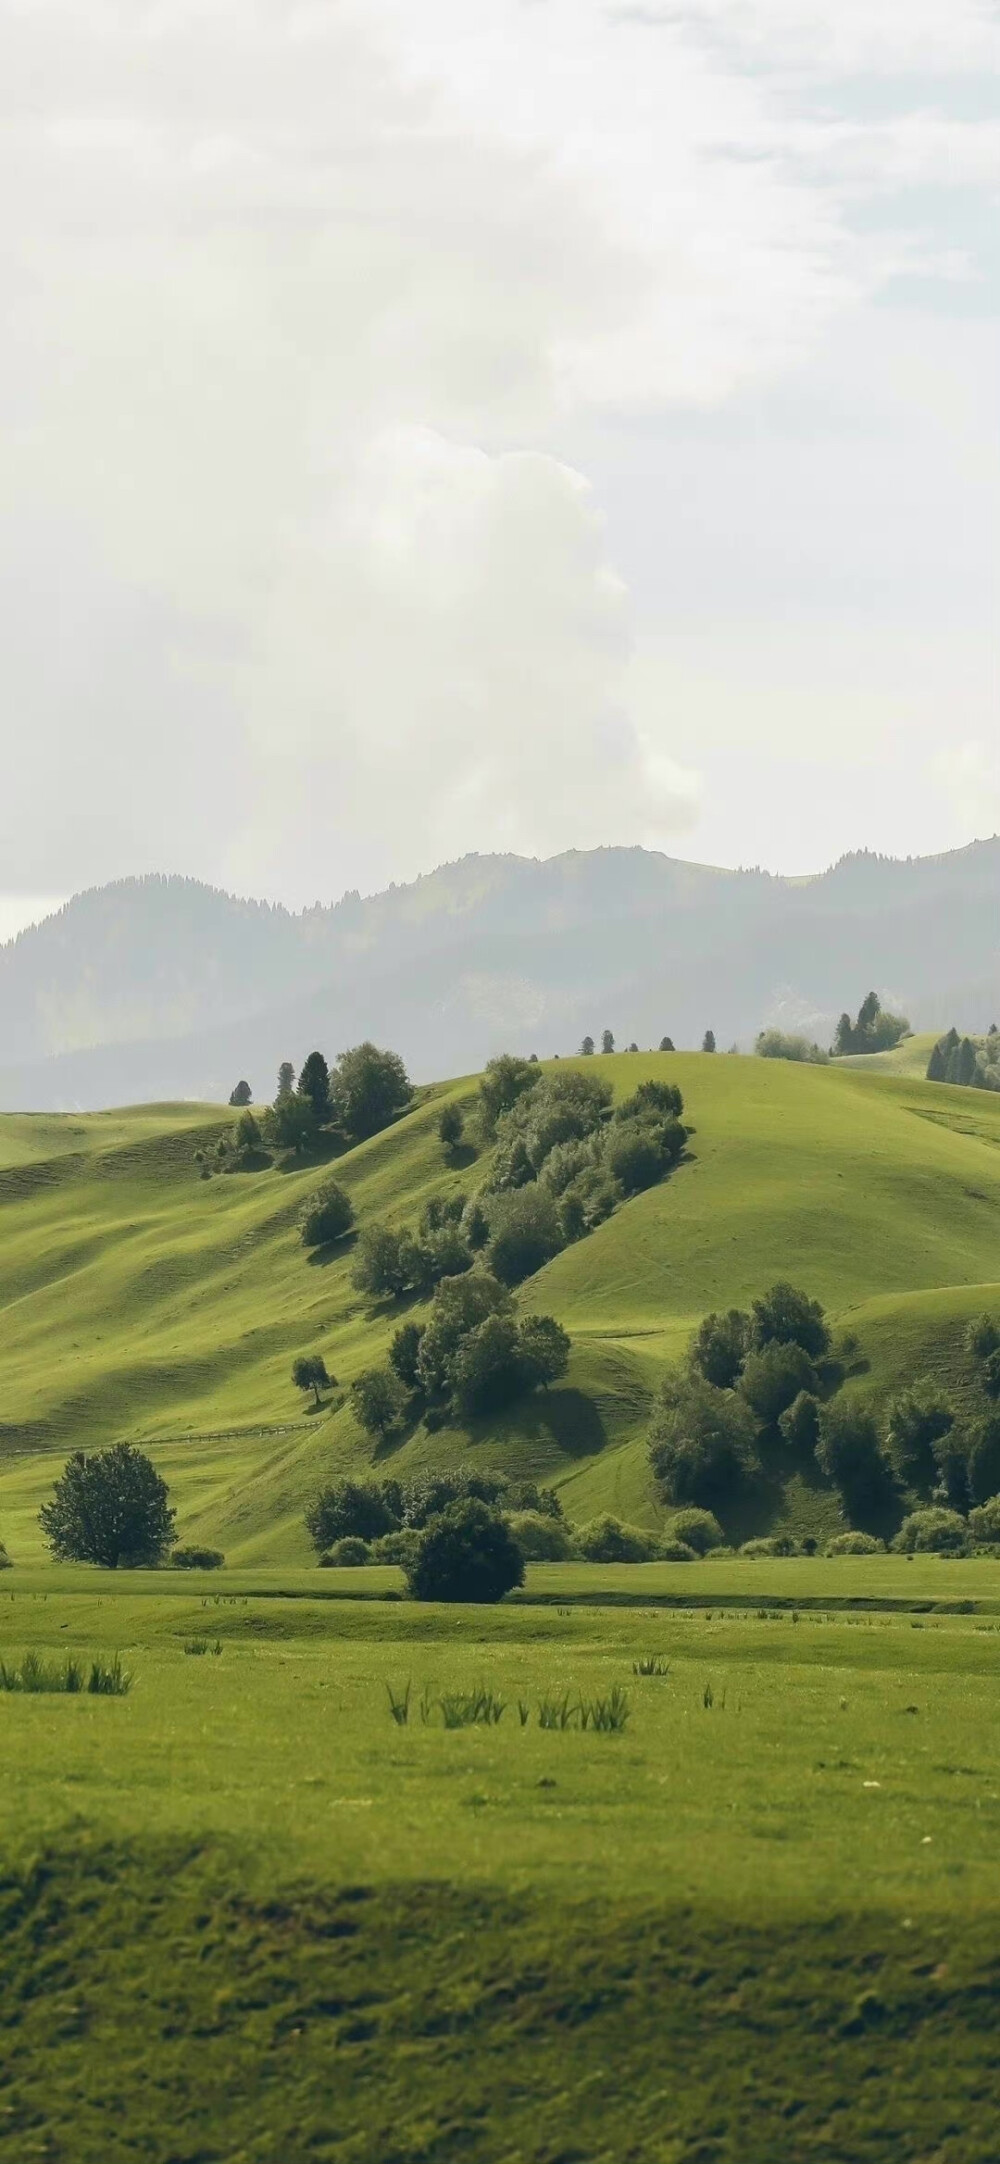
{"points": [[139, 1300]]}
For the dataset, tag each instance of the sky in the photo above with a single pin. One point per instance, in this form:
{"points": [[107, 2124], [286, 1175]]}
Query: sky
{"points": [[523, 426]]}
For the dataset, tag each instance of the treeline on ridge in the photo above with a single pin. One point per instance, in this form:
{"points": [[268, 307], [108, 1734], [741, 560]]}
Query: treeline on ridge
{"points": [[972, 1062]]}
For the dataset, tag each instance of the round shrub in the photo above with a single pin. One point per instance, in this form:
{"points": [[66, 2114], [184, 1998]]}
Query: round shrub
{"points": [[984, 1521], [347, 1554], [197, 1559], [399, 1547], [541, 1539], [774, 1377], [466, 1554], [350, 1510], [773, 1544], [855, 1544], [607, 1540], [697, 1529], [676, 1551], [702, 1442], [932, 1532], [327, 1216]]}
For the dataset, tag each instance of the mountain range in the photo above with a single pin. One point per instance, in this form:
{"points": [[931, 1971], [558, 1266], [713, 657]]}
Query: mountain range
{"points": [[161, 987]]}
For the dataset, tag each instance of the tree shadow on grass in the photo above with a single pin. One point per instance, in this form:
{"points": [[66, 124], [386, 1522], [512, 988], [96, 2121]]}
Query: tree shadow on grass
{"points": [[331, 1251], [571, 1418], [461, 1157], [249, 1161], [324, 1151]]}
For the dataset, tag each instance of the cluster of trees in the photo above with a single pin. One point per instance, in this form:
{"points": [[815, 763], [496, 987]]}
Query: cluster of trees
{"points": [[772, 1371], [588, 1047], [972, 1062], [563, 1160], [874, 1031], [364, 1090], [473, 1355], [784, 1044]]}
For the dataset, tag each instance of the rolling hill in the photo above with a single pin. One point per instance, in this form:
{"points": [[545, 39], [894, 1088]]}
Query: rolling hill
{"points": [[140, 1301], [162, 987]]}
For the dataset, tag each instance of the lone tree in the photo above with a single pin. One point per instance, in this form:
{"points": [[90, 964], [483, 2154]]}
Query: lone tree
{"points": [[607, 1040], [367, 1088], [587, 1048], [314, 1086], [327, 1216], [109, 1509], [450, 1126], [708, 1041], [242, 1094], [379, 1400], [466, 1554], [666, 1044], [309, 1373]]}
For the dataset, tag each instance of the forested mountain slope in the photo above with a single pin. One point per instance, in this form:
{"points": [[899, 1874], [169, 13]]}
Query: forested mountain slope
{"points": [[164, 988], [138, 1300]]}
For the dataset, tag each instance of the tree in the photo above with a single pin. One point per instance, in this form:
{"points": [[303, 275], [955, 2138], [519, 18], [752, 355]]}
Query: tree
{"points": [[404, 1353], [799, 1424], [708, 1041], [506, 1079], [309, 1373], [242, 1094], [787, 1317], [286, 1079], [486, 1370], [982, 1337], [774, 1377], [379, 1261], [607, 1041], [587, 1048], [543, 1350], [460, 1305], [666, 1044], [849, 1452], [379, 1400], [917, 1419], [932, 1532], [937, 1065], [701, 1442], [467, 1554], [246, 1139], [328, 1215], [109, 1509], [524, 1234], [720, 1346], [639, 1152], [291, 1122], [367, 1089], [314, 1086], [350, 1510], [983, 1459], [450, 1126], [965, 1063]]}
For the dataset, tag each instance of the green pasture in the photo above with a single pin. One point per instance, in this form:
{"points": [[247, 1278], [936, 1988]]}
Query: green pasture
{"points": [[759, 1923], [139, 1301]]}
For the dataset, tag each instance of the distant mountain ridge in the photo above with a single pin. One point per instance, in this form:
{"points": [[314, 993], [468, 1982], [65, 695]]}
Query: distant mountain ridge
{"points": [[161, 986]]}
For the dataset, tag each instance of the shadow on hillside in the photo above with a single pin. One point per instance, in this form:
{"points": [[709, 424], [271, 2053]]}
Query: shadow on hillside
{"points": [[461, 1157], [570, 1418], [332, 1250], [324, 1151], [249, 1161]]}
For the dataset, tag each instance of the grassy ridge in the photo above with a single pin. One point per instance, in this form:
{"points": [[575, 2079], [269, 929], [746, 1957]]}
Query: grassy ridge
{"points": [[140, 1301]]}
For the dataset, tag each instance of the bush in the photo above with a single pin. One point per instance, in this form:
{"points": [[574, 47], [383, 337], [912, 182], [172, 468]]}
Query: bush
{"points": [[450, 1126], [701, 1443], [349, 1510], [197, 1559], [328, 1215], [799, 1423], [932, 1532], [855, 1544], [404, 1353], [524, 1234], [982, 1338], [607, 1540], [773, 1378], [467, 1554], [719, 1348], [850, 1453], [109, 1509], [696, 1529], [540, 1538], [785, 1316], [347, 1554], [506, 1079], [399, 1547], [776, 1544], [984, 1521], [676, 1551], [378, 1262], [781, 1044]]}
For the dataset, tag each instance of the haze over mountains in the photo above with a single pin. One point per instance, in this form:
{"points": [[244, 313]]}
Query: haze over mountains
{"points": [[161, 987]]}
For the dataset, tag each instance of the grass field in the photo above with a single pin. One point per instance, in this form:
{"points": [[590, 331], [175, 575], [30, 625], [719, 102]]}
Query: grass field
{"points": [[140, 1301], [759, 1923]]}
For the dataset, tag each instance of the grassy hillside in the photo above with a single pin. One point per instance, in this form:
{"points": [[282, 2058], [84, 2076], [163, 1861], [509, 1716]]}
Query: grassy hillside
{"points": [[140, 1301]]}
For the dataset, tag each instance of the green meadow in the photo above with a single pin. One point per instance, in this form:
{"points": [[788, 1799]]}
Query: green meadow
{"points": [[247, 1915], [142, 1302]]}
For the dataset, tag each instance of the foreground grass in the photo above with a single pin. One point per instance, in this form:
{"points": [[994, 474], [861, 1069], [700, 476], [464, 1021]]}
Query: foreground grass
{"points": [[760, 1923]]}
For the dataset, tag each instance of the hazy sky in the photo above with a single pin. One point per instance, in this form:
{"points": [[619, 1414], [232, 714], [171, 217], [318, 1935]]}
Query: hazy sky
{"points": [[494, 424]]}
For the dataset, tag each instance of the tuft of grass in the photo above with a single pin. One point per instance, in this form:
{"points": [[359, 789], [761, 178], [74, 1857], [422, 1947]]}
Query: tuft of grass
{"points": [[399, 1704], [481, 1707], [650, 1664], [67, 1677]]}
